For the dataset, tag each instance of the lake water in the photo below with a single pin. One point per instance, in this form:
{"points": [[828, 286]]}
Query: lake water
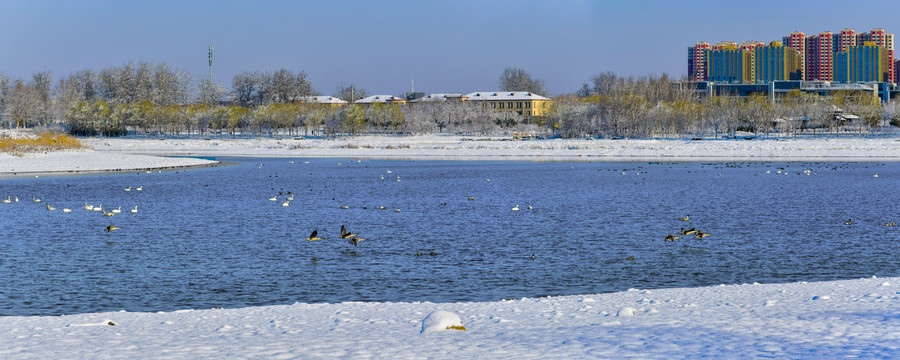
{"points": [[210, 237]]}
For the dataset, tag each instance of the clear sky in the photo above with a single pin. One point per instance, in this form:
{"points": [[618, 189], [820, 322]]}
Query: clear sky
{"points": [[445, 46]]}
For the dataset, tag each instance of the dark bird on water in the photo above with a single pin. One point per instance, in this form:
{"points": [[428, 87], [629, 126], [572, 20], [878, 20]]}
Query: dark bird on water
{"points": [[630, 258], [312, 237], [355, 241], [111, 228], [346, 234], [672, 237]]}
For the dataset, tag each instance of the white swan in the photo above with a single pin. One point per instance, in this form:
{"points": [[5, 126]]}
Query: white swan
{"points": [[128, 188], [118, 210], [67, 210], [7, 201], [274, 198], [98, 207], [140, 188], [515, 208], [286, 203], [50, 208], [35, 199], [134, 211], [88, 207]]}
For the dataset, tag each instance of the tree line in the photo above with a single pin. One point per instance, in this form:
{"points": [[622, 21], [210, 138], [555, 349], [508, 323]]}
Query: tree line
{"points": [[156, 99]]}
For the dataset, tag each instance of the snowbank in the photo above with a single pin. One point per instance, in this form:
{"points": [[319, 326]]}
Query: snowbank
{"points": [[850, 318], [437, 147], [89, 161]]}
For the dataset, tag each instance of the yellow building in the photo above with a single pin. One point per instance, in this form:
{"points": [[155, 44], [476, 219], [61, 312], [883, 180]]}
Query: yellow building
{"points": [[522, 102]]}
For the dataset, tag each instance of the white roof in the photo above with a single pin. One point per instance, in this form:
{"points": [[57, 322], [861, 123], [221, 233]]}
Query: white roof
{"points": [[322, 100], [440, 97], [377, 99], [503, 96]]}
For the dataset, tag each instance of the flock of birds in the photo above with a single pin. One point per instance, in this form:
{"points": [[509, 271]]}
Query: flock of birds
{"points": [[87, 207], [345, 234]]}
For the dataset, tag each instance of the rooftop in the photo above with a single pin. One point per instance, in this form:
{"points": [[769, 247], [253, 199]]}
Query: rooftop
{"points": [[503, 96]]}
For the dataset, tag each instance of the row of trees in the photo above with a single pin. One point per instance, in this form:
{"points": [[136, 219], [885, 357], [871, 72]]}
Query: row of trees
{"points": [[156, 99]]}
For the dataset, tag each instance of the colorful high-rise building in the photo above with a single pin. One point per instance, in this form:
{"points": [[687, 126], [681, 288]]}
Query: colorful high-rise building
{"points": [[811, 56], [880, 38], [846, 39], [697, 61], [797, 42], [776, 62], [730, 64], [866, 63]]}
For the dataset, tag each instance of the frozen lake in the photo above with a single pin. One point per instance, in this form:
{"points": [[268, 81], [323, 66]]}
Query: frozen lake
{"points": [[210, 237]]}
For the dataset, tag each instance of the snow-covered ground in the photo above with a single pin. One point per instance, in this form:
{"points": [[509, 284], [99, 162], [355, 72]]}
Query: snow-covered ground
{"points": [[477, 148], [853, 318]]}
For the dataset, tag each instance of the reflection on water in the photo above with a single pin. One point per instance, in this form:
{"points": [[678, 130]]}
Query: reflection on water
{"points": [[212, 238]]}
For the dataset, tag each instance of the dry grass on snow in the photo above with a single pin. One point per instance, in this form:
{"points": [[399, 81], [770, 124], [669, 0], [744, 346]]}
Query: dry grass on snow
{"points": [[43, 142]]}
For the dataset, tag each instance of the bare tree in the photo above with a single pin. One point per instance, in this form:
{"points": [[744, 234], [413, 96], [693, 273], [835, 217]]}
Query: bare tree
{"points": [[350, 92], [516, 79]]}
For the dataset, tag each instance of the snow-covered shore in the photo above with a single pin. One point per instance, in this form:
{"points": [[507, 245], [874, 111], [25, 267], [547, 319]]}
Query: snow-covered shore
{"points": [[850, 318], [437, 147]]}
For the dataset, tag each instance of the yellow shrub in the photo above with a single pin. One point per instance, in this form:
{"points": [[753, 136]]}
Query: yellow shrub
{"points": [[43, 142]]}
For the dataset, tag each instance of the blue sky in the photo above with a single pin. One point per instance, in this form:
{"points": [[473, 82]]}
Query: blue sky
{"points": [[445, 46]]}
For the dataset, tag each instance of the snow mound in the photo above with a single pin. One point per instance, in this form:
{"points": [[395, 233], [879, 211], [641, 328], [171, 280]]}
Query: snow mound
{"points": [[625, 311], [442, 320]]}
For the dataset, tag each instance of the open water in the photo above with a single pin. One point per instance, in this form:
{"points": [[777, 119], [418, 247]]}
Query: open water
{"points": [[210, 237]]}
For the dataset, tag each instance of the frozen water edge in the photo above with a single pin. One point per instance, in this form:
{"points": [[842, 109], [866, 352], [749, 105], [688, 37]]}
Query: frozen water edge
{"points": [[831, 319]]}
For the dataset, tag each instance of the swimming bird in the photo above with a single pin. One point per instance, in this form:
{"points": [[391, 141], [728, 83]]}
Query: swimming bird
{"points": [[111, 228], [515, 208], [7, 201], [892, 223], [312, 237], [291, 198], [630, 258], [274, 198], [529, 207], [118, 210], [88, 207], [471, 198], [140, 188], [398, 178], [134, 211], [128, 188], [685, 218], [382, 207], [876, 175], [109, 213], [532, 256], [345, 233], [50, 208], [35, 199], [355, 241], [688, 232], [848, 222], [672, 237], [701, 235], [98, 208], [16, 198], [67, 210], [345, 207], [286, 203]]}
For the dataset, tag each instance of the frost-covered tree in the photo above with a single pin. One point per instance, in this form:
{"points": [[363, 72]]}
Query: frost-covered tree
{"points": [[516, 79]]}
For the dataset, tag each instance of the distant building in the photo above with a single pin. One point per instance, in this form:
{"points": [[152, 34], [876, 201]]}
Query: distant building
{"points": [[776, 62], [431, 98], [797, 42], [729, 64], [524, 103], [386, 99], [866, 63], [329, 100], [697, 61]]}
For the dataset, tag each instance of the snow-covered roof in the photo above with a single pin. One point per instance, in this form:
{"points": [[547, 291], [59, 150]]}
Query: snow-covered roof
{"points": [[440, 97], [503, 96], [378, 99], [322, 100]]}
